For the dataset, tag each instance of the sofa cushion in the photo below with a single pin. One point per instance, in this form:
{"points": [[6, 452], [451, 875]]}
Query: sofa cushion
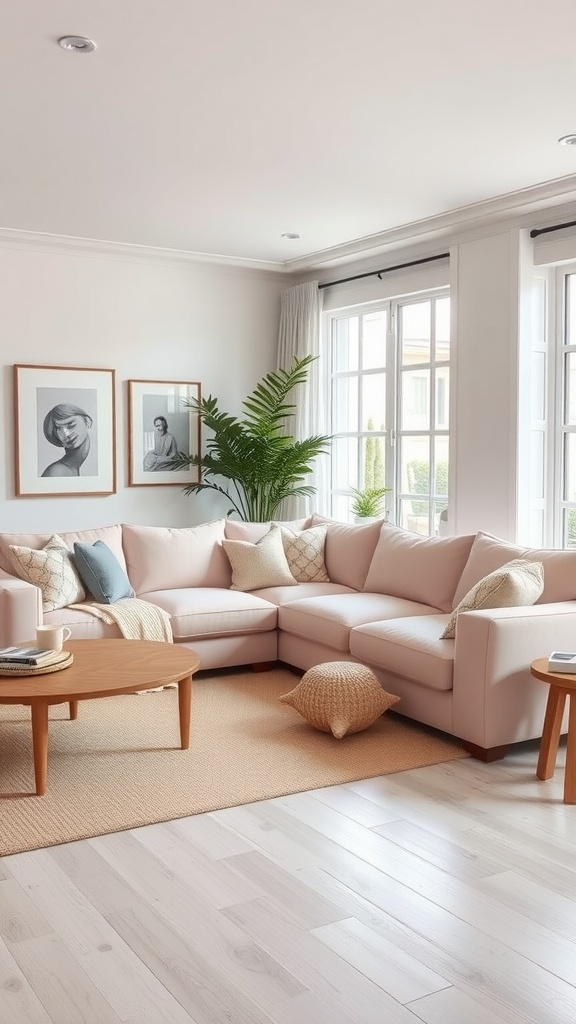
{"points": [[111, 535], [284, 595], [489, 553], [339, 697], [410, 647], [259, 565], [160, 558], [348, 550], [422, 569], [52, 569], [514, 585], [328, 620], [304, 550], [201, 613], [101, 572], [236, 529]]}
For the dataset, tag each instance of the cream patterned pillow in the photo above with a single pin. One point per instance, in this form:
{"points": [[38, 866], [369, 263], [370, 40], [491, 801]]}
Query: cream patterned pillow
{"points": [[304, 550], [255, 566], [519, 582], [52, 569]]}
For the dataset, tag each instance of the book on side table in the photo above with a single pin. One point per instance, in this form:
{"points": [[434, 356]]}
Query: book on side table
{"points": [[562, 661]]}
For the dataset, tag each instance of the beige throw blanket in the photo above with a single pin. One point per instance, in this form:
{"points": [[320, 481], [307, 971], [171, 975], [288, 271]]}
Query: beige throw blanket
{"points": [[136, 620]]}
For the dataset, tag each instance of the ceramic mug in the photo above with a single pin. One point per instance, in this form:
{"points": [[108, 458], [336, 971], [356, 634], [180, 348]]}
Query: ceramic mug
{"points": [[51, 638]]}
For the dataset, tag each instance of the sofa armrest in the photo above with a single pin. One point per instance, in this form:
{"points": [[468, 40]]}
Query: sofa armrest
{"points": [[496, 700], [20, 610]]}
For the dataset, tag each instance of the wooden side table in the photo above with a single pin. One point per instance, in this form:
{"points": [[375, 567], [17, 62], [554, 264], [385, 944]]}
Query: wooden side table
{"points": [[562, 685]]}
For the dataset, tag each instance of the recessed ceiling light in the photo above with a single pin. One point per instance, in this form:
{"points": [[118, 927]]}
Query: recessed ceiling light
{"points": [[290, 234], [81, 44], [567, 140]]}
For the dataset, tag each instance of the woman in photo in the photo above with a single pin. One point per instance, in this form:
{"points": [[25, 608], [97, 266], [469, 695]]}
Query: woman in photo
{"points": [[165, 448], [67, 427]]}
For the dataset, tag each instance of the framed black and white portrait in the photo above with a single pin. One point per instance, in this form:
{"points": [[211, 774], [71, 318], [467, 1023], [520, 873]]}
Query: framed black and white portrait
{"points": [[65, 429], [162, 424]]}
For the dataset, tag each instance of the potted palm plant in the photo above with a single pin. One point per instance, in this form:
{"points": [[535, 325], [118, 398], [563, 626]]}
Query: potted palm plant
{"points": [[251, 460], [368, 502]]}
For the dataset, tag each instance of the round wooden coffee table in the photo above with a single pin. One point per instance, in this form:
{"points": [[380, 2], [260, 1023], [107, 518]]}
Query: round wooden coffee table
{"points": [[101, 668], [562, 685]]}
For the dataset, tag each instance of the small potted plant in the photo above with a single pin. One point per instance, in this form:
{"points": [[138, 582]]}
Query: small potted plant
{"points": [[368, 503]]}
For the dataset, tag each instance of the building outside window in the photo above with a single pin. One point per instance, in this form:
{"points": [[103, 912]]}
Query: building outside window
{"points": [[389, 386]]}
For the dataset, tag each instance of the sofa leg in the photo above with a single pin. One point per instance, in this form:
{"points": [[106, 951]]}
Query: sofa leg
{"points": [[486, 754], [263, 666]]}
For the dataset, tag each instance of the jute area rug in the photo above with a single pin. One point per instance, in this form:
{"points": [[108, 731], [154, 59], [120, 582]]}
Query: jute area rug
{"points": [[119, 765]]}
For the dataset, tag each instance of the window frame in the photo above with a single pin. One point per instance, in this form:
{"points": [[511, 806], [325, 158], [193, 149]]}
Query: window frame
{"points": [[392, 306]]}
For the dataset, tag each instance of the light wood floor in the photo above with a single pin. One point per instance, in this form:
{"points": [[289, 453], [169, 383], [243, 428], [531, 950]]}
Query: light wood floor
{"points": [[445, 895]]}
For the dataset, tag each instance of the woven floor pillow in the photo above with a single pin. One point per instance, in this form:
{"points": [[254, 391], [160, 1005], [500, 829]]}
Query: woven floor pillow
{"points": [[340, 697]]}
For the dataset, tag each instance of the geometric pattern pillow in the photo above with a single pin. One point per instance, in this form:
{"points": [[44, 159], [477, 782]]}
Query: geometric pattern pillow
{"points": [[305, 553], [340, 697], [52, 569], [256, 566], [514, 585]]}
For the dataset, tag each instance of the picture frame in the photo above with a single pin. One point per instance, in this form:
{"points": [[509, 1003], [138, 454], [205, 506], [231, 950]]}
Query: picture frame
{"points": [[159, 425], [64, 431]]}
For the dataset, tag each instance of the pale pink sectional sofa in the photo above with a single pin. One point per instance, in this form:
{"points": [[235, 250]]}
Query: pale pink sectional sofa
{"points": [[388, 599]]}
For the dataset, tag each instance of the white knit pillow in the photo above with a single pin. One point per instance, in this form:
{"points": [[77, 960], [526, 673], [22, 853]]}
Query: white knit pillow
{"points": [[255, 566], [304, 550], [52, 569], [513, 585]]}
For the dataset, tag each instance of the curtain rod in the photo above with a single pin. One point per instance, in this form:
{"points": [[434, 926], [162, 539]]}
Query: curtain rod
{"points": [[386, 270], [555, 227]]}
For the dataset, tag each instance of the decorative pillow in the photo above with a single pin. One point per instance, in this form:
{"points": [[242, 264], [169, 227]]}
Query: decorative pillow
{"points": [[349, 550], [515, 584], [340, 697], [101, 572], [52, 569], [255, 566], [304, 551]]}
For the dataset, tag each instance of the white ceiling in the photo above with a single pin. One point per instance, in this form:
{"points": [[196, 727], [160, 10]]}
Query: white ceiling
{"points": [[215, 127]]}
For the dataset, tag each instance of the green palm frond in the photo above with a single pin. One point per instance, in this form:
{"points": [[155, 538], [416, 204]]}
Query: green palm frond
{"points": [[262, 464]]}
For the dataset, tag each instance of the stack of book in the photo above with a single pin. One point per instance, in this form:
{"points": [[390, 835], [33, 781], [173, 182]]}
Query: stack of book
{"points": [[28, 657]]}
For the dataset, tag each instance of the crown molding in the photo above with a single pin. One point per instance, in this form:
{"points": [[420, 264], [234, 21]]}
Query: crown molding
{"points": [[38, 241], [465, 218], [527, 201]]}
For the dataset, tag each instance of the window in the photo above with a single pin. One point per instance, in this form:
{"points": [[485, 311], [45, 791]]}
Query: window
{"points": [[390, 376], [547, 476]]}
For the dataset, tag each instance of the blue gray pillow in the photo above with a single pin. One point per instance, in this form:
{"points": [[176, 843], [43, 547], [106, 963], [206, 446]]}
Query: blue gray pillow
{"points": [[101, 572]]}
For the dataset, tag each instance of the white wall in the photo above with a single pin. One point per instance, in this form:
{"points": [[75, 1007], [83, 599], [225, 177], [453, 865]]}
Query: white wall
{"points": [[146, 318], [483, 292]]}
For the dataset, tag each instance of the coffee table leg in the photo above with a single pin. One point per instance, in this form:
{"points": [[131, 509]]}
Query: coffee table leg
{"points": [[39, 714], [73, 706], [184, 706], [551, 733]]}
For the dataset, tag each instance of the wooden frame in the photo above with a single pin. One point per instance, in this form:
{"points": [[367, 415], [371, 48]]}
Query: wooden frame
{"points": [[64, 431], [159, 425]]}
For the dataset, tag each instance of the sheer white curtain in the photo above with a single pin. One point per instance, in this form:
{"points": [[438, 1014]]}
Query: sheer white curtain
{"points": [[298, 336]]}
